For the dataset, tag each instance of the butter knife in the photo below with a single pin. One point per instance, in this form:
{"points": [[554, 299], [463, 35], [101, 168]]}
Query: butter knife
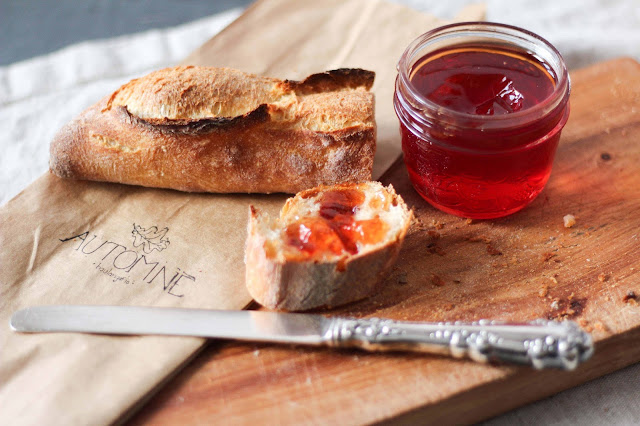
{"points": [[540, 343]]}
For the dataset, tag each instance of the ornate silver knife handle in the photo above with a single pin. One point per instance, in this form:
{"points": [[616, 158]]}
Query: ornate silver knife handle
{"points": [[540, 344]]}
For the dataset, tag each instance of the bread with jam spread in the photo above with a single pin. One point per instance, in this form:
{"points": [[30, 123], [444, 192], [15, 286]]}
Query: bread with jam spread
{"points": [[206, 129], [331, 245]]}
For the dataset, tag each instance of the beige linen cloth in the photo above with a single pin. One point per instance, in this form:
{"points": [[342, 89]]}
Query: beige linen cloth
{"points": [[70, 242]]}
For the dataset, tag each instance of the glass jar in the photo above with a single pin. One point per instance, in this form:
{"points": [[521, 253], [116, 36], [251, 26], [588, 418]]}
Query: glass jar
{"points": [[481, 107]]}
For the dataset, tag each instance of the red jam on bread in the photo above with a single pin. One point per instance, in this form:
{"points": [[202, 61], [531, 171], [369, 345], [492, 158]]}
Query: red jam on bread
{"points": [[335, 229]]}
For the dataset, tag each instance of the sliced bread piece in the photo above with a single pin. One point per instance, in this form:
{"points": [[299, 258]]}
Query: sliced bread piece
{"points": [[331, 245]]}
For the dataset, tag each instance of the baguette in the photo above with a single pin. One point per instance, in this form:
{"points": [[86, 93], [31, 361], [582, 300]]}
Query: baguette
{"points": [[330, 246], [203, 129]]}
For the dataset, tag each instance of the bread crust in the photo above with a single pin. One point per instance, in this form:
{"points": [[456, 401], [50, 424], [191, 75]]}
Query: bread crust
{"points": [[206, 129], [296, 285]]}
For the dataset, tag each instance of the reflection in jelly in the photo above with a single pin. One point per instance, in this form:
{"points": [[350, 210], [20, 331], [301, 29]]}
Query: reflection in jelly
{"points": [[483, 82]]}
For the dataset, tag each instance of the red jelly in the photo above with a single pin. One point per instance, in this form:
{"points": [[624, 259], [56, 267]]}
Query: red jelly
{"points": [[481, 108], [335, 231]]}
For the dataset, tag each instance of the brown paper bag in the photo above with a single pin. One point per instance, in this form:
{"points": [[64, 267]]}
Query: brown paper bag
{"points": [[72, 242]]}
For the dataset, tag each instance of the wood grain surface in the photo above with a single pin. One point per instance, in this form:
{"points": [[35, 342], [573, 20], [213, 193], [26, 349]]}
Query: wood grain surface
{"points": [[521, 267]]}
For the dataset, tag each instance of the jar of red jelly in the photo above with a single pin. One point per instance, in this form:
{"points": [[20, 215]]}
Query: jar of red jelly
{"points": [[481, 108]]}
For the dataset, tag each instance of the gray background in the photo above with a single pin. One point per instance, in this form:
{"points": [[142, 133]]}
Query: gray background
{"points": [[35, 27]]}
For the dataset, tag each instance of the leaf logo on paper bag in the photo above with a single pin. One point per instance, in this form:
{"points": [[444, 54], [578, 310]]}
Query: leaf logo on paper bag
{"points": [[150, 239], [128, 266]]}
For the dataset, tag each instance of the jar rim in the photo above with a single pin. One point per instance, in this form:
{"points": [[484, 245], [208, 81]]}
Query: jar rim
{"points": [[560, 92]]}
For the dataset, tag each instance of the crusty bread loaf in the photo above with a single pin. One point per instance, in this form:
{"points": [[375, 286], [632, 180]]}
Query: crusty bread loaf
{"points": [[329, 246], [222, 130]]}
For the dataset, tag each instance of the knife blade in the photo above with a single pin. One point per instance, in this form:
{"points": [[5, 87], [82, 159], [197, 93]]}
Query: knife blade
{"points": [[541, 343]]}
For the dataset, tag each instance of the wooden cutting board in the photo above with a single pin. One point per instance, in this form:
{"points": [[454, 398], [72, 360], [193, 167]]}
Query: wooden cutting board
{"points": [[522, 267]]}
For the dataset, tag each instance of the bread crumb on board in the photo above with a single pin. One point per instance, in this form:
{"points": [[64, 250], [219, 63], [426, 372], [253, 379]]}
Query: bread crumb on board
{"points": [[434, 234], [436, 249], [436, 280], [544, 290], [437, 224], [493, 251], [600, 326], [603, 277], [547, 255], [589, 328], [631, 297], [569, 220], [585, 325]]}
